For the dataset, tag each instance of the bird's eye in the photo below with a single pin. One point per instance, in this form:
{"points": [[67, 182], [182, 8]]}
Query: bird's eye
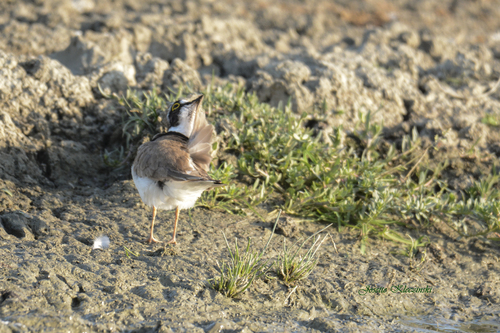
{"points": [[175, 106]]}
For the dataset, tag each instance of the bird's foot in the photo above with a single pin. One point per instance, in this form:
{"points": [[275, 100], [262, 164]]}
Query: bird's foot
{"points": [[151, 239], [172, 241]]}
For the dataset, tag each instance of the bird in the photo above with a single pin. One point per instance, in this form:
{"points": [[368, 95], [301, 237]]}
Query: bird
{"points": [[170, 171]]}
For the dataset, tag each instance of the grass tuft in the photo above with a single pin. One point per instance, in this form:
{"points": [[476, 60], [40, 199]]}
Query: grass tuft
{"points": [[292, 267], [238, 275]]}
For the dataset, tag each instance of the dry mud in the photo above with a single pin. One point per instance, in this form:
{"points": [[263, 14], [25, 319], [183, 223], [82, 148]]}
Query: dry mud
{"points": [[428, 64]]}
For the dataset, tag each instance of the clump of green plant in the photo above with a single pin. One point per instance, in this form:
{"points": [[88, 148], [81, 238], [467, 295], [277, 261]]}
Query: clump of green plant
{"points": [[238, 275], [480, 205], [414, 247], [141, 112], [491, 120], [291, 267], [234, 197]]}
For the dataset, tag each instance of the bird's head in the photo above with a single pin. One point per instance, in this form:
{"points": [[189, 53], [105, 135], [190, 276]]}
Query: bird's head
{"points": [[181, 115]]}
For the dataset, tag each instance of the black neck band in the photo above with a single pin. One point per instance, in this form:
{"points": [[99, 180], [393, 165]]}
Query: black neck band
{"points": [[180, 135]]}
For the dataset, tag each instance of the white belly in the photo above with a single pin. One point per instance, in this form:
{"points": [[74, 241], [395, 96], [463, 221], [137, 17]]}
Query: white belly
{"points": [[174, 194]]}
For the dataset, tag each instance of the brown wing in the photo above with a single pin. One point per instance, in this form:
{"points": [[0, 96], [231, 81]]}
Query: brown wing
{"points": [[167, 158], [200, 142]]}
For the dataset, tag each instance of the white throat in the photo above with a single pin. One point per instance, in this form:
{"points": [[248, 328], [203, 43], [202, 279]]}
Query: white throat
{"points": [[183, 129]]}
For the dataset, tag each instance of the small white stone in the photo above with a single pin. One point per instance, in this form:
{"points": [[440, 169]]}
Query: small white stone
{"points": [[101, 242]]}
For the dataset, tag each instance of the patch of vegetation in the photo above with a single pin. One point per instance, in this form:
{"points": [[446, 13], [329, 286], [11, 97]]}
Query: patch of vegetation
{"points": [[491, 120], [413, 248], [248, 265], [356, 181], [234, 197], [291, 267], [238, 275]]}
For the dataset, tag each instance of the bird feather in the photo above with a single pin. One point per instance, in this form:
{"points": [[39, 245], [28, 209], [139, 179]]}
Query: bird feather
{"points": [[200, 142]]}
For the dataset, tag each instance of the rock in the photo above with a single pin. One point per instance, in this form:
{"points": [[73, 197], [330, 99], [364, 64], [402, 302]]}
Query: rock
{"points": [[16, 166], [142, 37], [150, 70], [113, 81], [324, 325], [179, 74], [42, 99], [220, 326], [89, 52], [35, 39], [80, 56], [286, 227], [17, 225], [410, 38], [292, 72], [281, 81]]}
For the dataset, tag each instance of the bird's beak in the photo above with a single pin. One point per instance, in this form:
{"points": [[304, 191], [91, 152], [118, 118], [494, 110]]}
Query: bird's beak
{"points": [[194, 113], [198, 101], [197, 107]]}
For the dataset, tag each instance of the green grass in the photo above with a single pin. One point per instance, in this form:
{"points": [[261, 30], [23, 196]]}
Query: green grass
{"points": [[244, 267], [238, 275], [129, 252], [491, 120], [7, 191], [359, 181], [292, 267]]}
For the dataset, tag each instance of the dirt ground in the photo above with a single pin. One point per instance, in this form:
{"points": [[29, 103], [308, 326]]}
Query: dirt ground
{"points": [[432, 65]]}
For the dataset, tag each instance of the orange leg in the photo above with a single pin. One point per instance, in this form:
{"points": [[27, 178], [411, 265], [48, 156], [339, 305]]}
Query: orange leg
{"points": [[151, 238], [173, 241]]}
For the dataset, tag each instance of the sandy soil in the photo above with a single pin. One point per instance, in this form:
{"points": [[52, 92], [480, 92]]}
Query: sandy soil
{"points": [[427, 64]]}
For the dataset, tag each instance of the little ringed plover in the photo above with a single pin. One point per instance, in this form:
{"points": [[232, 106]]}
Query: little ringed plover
{"points": [[170, 171]]}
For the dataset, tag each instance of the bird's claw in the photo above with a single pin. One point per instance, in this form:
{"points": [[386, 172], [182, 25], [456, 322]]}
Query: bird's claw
{"points": [[172, 241], [152, 240]]}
